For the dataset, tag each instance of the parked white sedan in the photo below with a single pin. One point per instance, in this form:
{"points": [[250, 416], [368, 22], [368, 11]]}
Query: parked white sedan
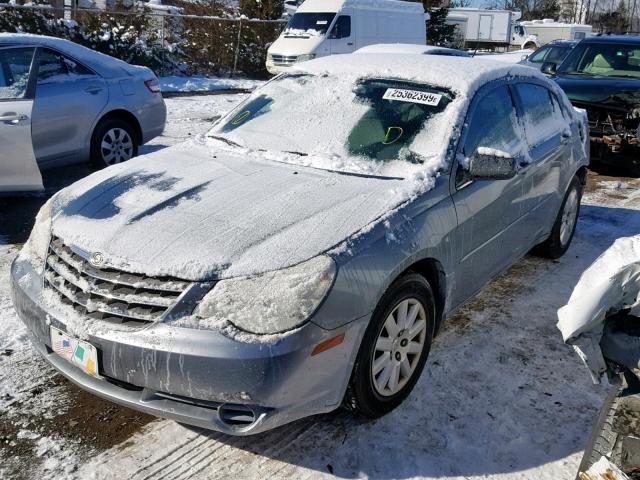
{"points": [[61, 104]]}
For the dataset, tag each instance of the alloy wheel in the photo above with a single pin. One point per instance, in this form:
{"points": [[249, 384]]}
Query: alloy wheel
{"points": [[116, 146], [399, 347], [569, 216]]}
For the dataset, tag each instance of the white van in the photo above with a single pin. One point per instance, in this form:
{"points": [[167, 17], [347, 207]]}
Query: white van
{"points": [[327, 27]]}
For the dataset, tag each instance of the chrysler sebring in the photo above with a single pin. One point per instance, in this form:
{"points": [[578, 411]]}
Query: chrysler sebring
{"points": [[303, 254]]}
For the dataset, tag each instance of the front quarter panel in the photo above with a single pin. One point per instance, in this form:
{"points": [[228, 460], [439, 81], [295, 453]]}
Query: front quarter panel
{"points": [[368, 264]]}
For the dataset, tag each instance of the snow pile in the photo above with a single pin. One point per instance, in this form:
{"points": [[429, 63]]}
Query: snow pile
{"points": [[610, 284]]}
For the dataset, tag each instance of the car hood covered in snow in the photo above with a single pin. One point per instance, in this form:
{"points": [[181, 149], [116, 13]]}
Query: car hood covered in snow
{"points": [[199, 213]]}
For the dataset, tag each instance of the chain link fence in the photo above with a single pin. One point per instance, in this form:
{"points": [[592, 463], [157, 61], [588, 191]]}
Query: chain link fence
{"points": [[169, 43]]}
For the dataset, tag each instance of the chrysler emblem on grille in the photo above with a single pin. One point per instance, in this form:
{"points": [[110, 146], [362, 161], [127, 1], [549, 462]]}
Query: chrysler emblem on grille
{"points": [[96, 259]]}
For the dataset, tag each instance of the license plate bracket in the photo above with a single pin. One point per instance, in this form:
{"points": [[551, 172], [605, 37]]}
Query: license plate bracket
{"points": [[77, 352]]}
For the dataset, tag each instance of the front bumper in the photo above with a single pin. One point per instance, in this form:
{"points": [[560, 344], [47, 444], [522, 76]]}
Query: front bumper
{"points": [[200, 377]]}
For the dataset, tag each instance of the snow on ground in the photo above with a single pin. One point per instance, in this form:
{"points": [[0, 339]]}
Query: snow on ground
{"points": [[501, 397], [205, 84]]}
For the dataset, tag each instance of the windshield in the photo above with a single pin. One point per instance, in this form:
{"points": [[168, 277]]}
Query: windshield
{"points": [[308, 24], [603, 59], [370, 122]]}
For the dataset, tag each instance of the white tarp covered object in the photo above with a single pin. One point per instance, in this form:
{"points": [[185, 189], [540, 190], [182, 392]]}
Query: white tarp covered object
{"points": [[610, 284]]}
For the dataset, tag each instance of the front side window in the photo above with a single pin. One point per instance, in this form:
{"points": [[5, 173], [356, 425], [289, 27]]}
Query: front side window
{"points": [[342, 28], [372, 121], [56, 67], [309, 24], [603, 59], [15, 65], [539, 112], [493, 124]]}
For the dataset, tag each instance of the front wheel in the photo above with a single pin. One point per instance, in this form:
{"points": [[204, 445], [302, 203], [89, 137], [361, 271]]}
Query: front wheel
{"points": [[394, 349], [565, 225], [114, 141]]}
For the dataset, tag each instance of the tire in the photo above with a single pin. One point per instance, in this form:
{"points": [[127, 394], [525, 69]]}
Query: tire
{"points": [[368, 394], [603, 441], [565, 225], [113, 141]]}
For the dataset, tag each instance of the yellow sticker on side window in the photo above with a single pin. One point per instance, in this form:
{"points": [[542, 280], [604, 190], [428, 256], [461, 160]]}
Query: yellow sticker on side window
{"points": [[412, 96]]}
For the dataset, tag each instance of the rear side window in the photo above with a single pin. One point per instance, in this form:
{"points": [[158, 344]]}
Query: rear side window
{"points": [[15, 65], [56, 67], [539, 55], [342, 28], [493, 124], [539, 111]]}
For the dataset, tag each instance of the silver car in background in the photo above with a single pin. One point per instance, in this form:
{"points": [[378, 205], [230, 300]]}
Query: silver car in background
{"points": [[61, 104], [304, 255]]}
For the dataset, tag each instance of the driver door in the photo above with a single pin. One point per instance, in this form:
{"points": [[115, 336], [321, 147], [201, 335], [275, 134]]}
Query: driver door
{"points": [[489, 211], [342, 36], [18, 167]]}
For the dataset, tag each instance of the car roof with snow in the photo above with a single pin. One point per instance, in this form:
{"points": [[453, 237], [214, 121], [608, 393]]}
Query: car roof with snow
{"points": [[102, 64], [459, 74], [411, 48]]}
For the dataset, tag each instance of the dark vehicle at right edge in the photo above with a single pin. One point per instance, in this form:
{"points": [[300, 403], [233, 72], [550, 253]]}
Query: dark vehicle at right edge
{"points": [[602, 76]]}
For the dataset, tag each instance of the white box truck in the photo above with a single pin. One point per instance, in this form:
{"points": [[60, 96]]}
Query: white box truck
{"points": [[482, 28], [328, 27], [535, 33]]}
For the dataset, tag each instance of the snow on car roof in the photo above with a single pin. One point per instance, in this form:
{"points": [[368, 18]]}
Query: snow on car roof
{"points": [[410, 48], [458, 74], [105, 65]]}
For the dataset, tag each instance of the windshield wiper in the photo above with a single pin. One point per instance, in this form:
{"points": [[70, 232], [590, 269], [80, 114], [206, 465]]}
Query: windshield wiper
{"points": [[300, 154], [226, 140]]}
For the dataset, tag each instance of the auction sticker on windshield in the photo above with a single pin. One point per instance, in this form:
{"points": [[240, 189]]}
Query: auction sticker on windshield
{"points": [[413, 96], [78, 352]]}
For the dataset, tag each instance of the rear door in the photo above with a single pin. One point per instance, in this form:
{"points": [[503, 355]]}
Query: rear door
{"points": [[18, 168], [484, 27], [69, 97], [547, 135], [488, 210]]}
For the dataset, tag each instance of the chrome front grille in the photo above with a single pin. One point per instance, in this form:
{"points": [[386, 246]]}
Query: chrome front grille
{"points": [[284, 59], [106, 293]]}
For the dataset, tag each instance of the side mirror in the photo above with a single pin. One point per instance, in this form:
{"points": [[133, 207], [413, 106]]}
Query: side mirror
{"points": [[489, 164], [549, 68], [524, 57]]}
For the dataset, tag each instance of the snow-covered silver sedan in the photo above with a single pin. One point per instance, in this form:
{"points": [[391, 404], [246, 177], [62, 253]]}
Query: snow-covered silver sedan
{"points": [[61, 103], [306, 251]]}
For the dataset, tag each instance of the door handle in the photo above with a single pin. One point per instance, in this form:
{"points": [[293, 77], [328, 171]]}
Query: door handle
{"points": [[349, 43], [13, 118]]}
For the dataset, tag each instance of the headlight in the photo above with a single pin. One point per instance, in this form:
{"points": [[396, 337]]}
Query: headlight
{"points": [[35, 249], [304, 58], [271, 302]]}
